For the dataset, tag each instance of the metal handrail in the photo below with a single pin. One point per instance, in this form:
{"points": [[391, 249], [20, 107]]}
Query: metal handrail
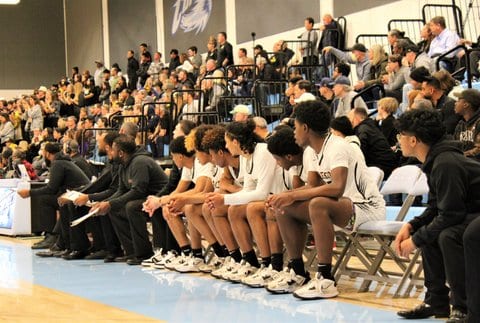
{"points": [[367, 90], [467, 61]]}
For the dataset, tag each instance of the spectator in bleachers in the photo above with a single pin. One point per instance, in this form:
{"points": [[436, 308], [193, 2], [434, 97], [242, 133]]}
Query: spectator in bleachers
{"points": [[454, 199], [132, 68], [385, 120], [341, 69], [414, 58], [326, 91], [345, 94], [174, 61], [211, 49], [33, 115], [331, 33], [427, 37], [378, 63], [396, 77], [185, 64], [395, 35], [467, 106], [308, 47], [240, 113], [7, 131], [126, 97], [261, 128], [358, 56], [444, 40], [258, 52], [142, 72], [225, 51], [155, 67], [432, 90], [374, 145], [195, 59], [97, 75]]}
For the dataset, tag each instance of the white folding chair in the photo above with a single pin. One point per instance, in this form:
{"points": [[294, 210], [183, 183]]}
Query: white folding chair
{"points": [[348, 237], [408, 180]]}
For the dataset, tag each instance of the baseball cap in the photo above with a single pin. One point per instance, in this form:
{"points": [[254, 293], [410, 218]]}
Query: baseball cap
{"points": [[411, 48], [43, 88], [241, 108], [359, 47], [98, 61], [326, 81], [471, 96], [343, 80]]}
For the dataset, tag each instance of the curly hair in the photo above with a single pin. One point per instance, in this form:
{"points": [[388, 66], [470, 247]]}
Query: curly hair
{"points": [[214, 139], [177, 146], [425, 124], [282, 143], [194, 140], [244, 133], [315, 114]]}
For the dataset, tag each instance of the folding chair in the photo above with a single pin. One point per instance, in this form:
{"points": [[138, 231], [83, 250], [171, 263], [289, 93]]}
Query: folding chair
{"points": [[409, 180], [348, 237]]}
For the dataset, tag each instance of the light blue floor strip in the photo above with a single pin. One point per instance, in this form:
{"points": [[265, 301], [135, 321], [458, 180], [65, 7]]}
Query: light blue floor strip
{"points": [[171, 296]]}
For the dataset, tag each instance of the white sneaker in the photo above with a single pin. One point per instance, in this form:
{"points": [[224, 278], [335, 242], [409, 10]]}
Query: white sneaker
{"points": [[214, 264], [228, 266], [191, 265], [151, 261], [317, 288], [285, 282], [160, 263], [263, 276], [174, 262], [242, 272]]}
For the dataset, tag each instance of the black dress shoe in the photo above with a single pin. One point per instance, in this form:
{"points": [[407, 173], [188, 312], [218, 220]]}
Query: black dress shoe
{"points": [[56, 247], [134, 261], [46, 243], [457, 316], [61, 253], [424, 311], [100, 254], [122, 258], [75, 255], [45, 254]]}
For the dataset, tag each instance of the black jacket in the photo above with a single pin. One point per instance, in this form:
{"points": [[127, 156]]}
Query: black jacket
{"points": [[83, 165], [454, 183], [132, 68], [466, 131], [375, 147], [139, 177], [173, 180], [450, 119], [388, 129], [225, 51], [64, 174], [106, 184]]}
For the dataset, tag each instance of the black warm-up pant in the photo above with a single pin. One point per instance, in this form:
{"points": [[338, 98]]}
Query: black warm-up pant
{"points": [[444, 261], [44, 211], [162, 236], [471, 242]]}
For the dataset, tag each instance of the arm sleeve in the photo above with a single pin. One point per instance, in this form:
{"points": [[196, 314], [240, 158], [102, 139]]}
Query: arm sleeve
{"points": [[54, 183], [450, 185], [343, 56], [139, 187], [262, 186]]}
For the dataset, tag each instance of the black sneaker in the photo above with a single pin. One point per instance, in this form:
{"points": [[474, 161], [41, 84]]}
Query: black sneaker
{"points": [[424, 311], [100, 254], [457, 316], [46, 243]]}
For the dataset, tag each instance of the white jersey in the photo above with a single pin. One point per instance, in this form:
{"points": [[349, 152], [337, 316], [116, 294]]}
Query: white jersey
{"points": [[198, 170], [237, 179], [217, 176], [360, 188], [258, 177], [309, 163]]}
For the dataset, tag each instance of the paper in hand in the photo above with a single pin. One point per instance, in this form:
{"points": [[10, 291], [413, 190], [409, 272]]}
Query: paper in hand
{"points": [[83, 218]]}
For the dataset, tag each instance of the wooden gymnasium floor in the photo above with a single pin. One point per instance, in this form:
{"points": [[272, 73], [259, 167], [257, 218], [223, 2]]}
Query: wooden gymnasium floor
{"points": [[33, 289]]}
